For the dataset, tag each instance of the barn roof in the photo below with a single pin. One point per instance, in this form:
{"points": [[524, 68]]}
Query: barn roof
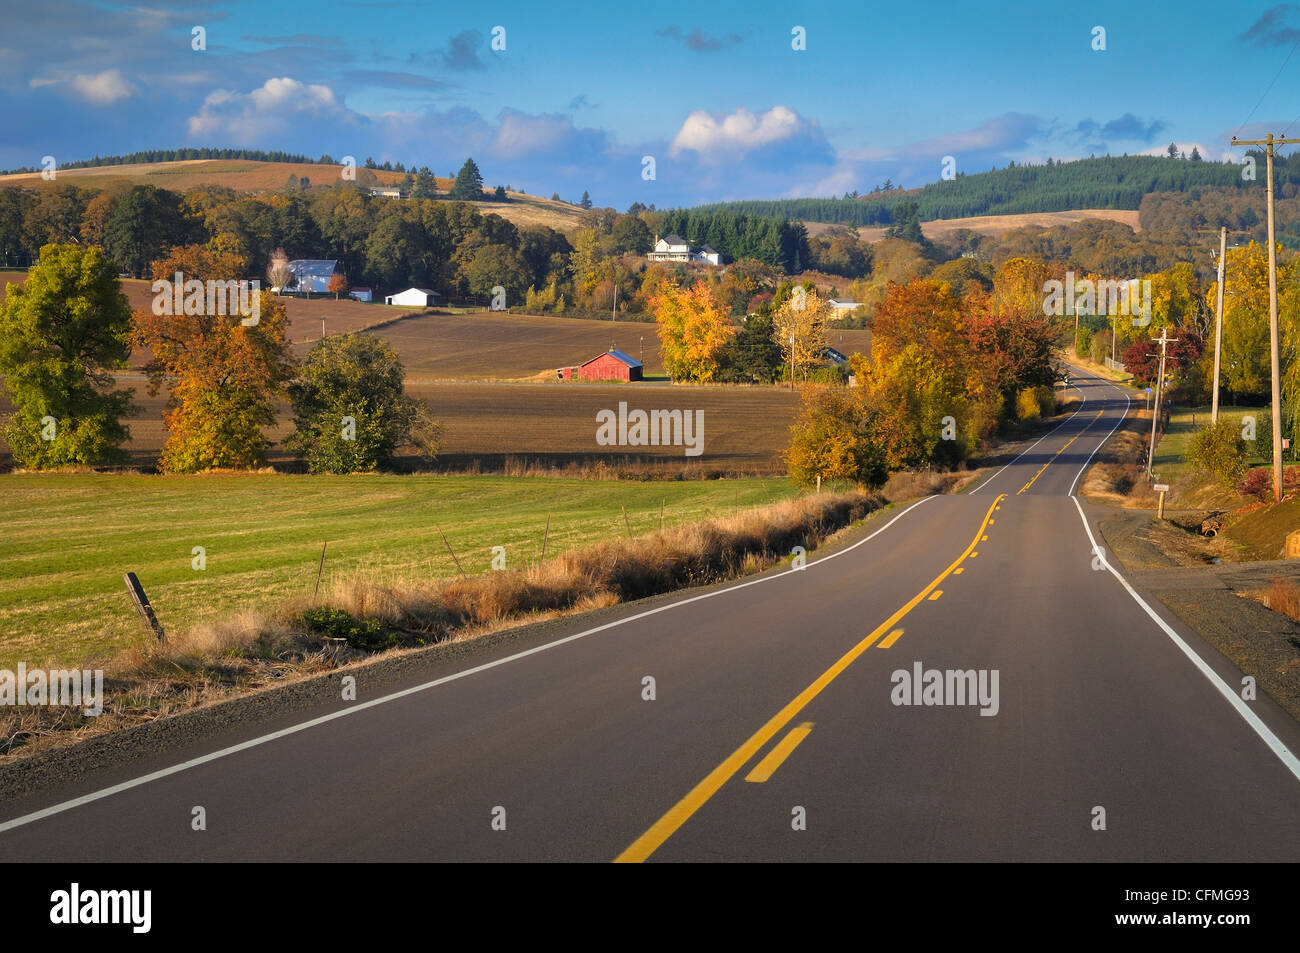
{"points": [[619, 355], [313, 267]]}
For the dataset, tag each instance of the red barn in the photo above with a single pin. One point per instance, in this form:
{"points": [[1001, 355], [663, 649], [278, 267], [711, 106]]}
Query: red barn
{"points": [[610, 366]]}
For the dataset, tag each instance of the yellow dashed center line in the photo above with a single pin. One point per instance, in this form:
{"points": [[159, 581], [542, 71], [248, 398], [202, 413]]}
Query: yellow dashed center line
{"points": [[765, 768], [1057, 454], [698, 796], [894, 636]]}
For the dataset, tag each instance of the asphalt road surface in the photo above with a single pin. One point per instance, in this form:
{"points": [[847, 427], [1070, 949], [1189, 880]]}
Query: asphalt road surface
{"points": [[777, 728]]}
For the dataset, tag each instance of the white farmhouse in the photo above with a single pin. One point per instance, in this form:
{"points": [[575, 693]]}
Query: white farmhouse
{"points": [[671, 248], [674, 248], [838, 304]]}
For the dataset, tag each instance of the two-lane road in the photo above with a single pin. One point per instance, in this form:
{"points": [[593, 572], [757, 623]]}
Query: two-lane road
{"points": [[775, 730]]}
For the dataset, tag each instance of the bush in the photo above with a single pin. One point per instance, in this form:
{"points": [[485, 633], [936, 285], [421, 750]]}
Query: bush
{"points": [[1028, 406], [365, 634], [1257, 483], [1219, 451]]}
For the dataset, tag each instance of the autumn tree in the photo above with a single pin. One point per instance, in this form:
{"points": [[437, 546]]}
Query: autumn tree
{"points": [[801, 327], [921, 312], [278, 272], [693, 328], [920, 408], [835, 438], [226, 371], [60, 334], [338, 284]]}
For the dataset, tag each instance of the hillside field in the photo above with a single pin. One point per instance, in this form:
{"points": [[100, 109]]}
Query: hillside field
{"points": [[996, 224], [69, 538], [247, 175]]}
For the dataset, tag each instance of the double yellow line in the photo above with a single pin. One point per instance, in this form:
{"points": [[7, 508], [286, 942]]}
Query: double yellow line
{"points": [[682, 811], [1057, 454]]}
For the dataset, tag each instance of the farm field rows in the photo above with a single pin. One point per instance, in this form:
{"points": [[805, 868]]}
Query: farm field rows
{"points": [[69, 538]]}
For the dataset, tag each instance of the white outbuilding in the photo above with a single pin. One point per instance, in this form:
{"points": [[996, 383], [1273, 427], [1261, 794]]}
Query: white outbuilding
{"points": [[412, 298]]}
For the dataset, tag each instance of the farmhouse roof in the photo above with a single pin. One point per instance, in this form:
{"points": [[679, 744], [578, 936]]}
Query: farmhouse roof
{"points": [[626, 359], [675, 240]]}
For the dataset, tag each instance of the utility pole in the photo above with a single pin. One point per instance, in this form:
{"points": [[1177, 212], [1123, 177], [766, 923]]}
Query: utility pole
{"points": [[1269, 142], [792, 360], [614, 305], [1165, 340], [1218, 324]]}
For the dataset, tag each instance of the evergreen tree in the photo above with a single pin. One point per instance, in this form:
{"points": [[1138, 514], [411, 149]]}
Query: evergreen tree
{"points": [[469, 183]]}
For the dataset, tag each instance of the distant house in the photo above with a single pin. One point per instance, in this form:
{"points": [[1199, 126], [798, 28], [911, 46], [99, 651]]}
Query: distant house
{"points": [[835, 357], [611, 366], [362, 294], [675, 248], [313, 274], [838, 304], [386, 192], [707, 254], [413, 298], [671, 248]]}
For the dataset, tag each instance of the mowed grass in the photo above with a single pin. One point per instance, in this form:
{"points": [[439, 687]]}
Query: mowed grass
{"points": [[69, 538], [1169, 464]]}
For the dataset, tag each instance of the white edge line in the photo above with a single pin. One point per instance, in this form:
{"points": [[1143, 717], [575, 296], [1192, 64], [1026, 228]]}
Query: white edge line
{"points": [[1265, 733], [1034, 444], [1127, 404], [353, 709]]}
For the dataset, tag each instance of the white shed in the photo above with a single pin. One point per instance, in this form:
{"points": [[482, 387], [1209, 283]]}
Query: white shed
{"points": [[412, 298]]}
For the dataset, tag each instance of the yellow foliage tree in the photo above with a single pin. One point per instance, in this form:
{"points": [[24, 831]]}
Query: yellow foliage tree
{"points": [[801, 327], [693, 328]]}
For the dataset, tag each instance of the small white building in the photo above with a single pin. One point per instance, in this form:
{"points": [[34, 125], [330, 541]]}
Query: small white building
{"points": [[361, 293], [708, 256], [838, 304], [412, 298]]}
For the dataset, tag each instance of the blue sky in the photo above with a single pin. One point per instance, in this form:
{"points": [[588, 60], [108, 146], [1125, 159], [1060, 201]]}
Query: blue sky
{"points": [[714, 92]]}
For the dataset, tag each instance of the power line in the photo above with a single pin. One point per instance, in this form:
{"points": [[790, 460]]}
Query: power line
{"points": [[1269, 88]]}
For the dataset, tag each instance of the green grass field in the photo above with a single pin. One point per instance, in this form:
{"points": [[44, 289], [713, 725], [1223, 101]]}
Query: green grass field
{"points": [[1168, 464], [69, 538]]}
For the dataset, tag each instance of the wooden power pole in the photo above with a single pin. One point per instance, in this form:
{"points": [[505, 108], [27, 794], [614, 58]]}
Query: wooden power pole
{"points": [[1165, 341], [1269, 142], [1218, 324]]}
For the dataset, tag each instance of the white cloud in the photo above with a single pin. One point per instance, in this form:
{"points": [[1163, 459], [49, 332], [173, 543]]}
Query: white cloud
{"points": [[102, 89], [520, 134], [245, 117], [738, 132]]}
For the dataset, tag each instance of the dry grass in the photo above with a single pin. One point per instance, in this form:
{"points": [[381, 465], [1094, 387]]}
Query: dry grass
{"points": [[1116, 476], [250, 650], [1283, 595], [910, 484]]}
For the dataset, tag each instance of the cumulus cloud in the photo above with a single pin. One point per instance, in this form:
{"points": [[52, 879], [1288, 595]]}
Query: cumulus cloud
{"points": [[247, 117], [462, 51], [1010, 131], [520, 134], [740, 132]]}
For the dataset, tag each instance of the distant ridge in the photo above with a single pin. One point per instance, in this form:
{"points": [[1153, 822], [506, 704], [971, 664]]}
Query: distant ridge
{"points": [[1106, 183]]}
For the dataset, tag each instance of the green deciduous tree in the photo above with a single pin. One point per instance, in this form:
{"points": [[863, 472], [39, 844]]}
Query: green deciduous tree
{"points": [[351, 411], [59, 335]]}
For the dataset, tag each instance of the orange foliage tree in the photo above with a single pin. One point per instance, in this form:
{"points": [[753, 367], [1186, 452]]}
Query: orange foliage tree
{"points": [[225, 371]]}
